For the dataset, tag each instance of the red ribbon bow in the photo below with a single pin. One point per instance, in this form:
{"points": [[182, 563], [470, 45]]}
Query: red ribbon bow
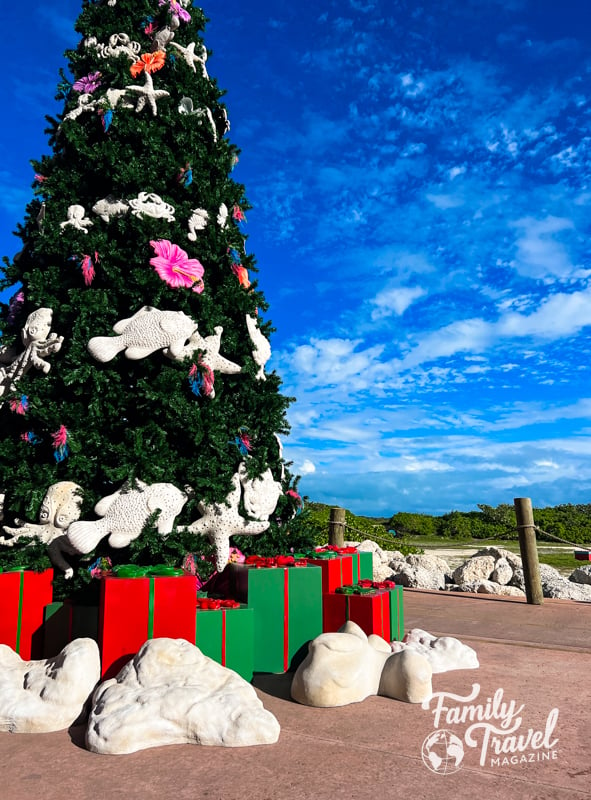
{"points": [[211, 604], [270, 561]]}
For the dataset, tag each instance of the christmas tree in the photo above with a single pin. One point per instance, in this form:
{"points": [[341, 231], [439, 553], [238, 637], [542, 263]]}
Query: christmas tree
{"points": [[133, 386]]}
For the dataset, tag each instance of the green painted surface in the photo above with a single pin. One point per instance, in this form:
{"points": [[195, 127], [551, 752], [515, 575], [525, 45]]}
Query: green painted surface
{"points": [[240, 641], [366, 566], [305, 611], [208, 633], [396, 614]]}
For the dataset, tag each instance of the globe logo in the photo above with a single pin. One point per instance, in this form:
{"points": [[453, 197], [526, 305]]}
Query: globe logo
{"points": [[443, 752]]}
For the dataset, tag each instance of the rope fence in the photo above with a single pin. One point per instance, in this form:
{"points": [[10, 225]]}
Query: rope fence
{"points": [[502, 534]]}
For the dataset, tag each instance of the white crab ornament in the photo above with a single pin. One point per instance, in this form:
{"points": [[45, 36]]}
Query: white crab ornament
{"points": [[123, 517], [148, 204], [77, 219], [197, 222], [261, 348], [141, 335], [38, 342], [119, 44], [219, 521]]}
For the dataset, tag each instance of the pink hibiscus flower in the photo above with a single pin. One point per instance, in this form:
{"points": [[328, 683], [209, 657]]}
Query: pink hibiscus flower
{"points": [[175, 267]]}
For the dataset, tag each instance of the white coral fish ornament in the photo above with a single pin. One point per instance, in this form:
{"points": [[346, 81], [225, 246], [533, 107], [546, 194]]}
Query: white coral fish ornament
{"points": [[147, 331], [123, 516]]}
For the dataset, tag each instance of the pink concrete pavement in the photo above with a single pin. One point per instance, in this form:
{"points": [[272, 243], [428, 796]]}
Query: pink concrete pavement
{"points": [[538, 656]]}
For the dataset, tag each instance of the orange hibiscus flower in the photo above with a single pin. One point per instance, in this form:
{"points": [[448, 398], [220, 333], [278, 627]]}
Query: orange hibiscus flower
{"points": [[149, 62]]}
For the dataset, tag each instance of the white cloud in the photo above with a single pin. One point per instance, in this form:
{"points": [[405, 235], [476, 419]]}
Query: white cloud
{"points": [[395, 300], [330, 362], [558, 316], [539, 254], [445, 201]]}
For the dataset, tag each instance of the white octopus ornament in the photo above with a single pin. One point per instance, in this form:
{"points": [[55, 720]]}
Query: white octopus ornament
{"points": [[222, 520], [60, 507], [262, 349], [148, 204], [77, 219]]}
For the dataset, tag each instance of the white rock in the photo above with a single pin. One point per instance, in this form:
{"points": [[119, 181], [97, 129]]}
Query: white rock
{"points": [[427, 561], [503, 590], [500, 552], [49, 695], [368, 546], [476, 568], [170, 693], [581, 575], [417, 577], [407, 676], [555, 585], [347, 666], [444, 653], [518, 580], [503, 572], [382, 572]]}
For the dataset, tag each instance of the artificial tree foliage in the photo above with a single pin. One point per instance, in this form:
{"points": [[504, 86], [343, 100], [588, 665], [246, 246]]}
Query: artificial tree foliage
{"points": [[125, 419]]}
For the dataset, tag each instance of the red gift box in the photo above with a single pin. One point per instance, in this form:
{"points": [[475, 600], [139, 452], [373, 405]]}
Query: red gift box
{"points": [[370, 611], [133, 610], [24, 596], [336, 572]]}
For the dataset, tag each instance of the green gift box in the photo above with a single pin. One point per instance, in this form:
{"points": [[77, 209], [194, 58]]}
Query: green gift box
{"points": [[227, 636], [287, 605], [396, 613], [362, 566], [65, 621]]}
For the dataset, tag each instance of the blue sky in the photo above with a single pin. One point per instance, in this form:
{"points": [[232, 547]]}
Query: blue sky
{"points": [[421, 186]]}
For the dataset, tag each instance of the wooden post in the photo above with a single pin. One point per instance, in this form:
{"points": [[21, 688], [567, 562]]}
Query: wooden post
{"points": [[529, 550], [336, 527]]}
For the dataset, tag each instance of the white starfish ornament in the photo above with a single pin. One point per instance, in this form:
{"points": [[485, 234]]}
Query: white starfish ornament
{"points": [[210, 348], [147, 94], [222, 520], [191, 58]]}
